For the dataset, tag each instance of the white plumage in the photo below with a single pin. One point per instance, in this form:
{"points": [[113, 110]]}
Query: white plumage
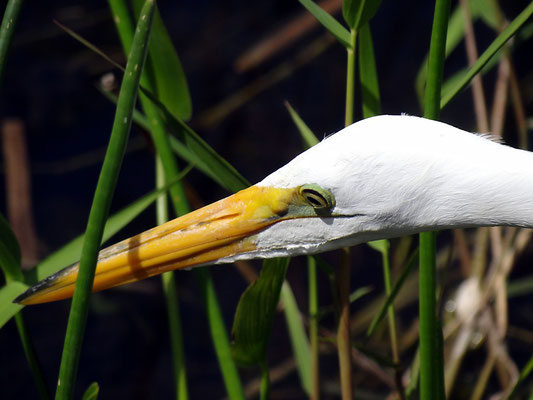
{"points": [[397, 175]]}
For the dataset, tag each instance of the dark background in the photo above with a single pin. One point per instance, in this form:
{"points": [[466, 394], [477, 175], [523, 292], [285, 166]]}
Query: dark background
{"points": [[50, 85]]}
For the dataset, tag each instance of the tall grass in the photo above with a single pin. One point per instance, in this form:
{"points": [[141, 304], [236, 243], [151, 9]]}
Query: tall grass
{"points": [[101, 203], [164, 112]]}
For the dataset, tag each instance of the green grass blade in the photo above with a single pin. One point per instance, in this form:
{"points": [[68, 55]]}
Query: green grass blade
{"points": [[394, 292], [170, 290], [9, 21], [357, 13], [454, 36], [9, 253], [526, 371], [100, 208], [92, 392], [31, 356], [226, 173], [251, 328], [8, 293], [70, 253], [313, 327], [170, 82], [300, 344], [200, 153], [178, 147], [331, 24], [431, 368], [307, 134], [496, 45], [152, 107], [368, 74], [219, 336]]}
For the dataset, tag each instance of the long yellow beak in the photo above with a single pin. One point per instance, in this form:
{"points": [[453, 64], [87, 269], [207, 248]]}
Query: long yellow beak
{"points": [[220, 230]]}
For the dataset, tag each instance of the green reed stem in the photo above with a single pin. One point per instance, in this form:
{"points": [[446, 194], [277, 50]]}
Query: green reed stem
{"points": [[171, 299], [431, 368], [390, 309], [31, 356], [313, 327], [9, 21], [343, 277], [101, 203], [181, 206]]}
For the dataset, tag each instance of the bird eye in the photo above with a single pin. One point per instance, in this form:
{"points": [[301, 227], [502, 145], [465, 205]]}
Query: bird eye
{"points": [[317, 197]]}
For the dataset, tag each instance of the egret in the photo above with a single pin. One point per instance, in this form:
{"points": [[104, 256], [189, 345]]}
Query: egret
{"points": [[381, 177]]}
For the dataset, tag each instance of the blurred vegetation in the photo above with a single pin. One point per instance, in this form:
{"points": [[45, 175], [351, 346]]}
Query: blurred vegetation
{"points": [[236, 68]]}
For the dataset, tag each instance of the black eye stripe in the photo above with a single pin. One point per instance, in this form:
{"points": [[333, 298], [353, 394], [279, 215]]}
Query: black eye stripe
{"points": [[315, 198]]}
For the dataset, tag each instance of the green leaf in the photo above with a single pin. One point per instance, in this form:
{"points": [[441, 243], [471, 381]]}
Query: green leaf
{"points": [[170, 81], [8, 293], [526, 371], [368, 74], [454, 36], [226, 173], [307, 134], [357, 13], [200, 154], [394, 292], [328, 22], [494, 47], [487, 12], [9, 22], [101, 203], [380, 245], [92, 392], [70, 253], [300, 344], [253, 318], [9, 252]]}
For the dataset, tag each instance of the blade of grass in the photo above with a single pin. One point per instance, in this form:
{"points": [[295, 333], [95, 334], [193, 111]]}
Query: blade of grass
{"points": [[177, 146], [69, 253], [526, 371], [152, 106], [225, 173], [313, 327], [300, 343], [357, 13], [343, 274], [219, 335], [393, 293], [251, 329], [9, 21], [9, 253], [31, 356], [431, 368], [368, 75], [496, 45], [170, 80], [10, 257], [92, 392], [102, 200], [307, 134], [170, 290], [331, 24], [8, 293]]}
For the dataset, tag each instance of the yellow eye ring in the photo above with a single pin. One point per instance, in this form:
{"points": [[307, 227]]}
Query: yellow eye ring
{"points": [[317, 197]]}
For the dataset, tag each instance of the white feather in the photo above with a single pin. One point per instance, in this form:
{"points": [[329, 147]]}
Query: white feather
{"points": [[396, 175]]}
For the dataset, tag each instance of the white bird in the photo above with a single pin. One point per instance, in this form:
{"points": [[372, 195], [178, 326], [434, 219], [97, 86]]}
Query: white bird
{"points": [[382, 177]]}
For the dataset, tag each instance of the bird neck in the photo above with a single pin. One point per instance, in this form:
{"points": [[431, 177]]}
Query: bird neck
{"points": [[489, 188]]}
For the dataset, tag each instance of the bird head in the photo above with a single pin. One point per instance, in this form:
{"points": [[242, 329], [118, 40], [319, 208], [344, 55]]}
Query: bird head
{"points": [[379, 178]]}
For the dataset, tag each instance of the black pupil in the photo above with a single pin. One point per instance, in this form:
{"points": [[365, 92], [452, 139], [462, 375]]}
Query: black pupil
{"points": [[315, 198]]}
